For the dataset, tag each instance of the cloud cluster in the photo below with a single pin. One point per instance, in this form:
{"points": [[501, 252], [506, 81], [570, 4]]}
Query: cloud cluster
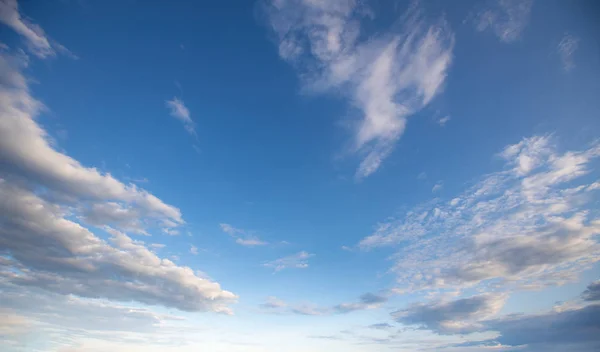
{"points": [[528, 225], [387, 77], [42, 194], [242, 237]]}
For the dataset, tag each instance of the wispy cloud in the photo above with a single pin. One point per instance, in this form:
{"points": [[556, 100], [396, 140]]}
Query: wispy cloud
{"points": [[526, 226], [437, 187], [387, 77], [505, 18], [193, 250], [443, 121], [178, 110], [36, 40], [273, 303], [295, 261], [242, 237], [566, 49]]}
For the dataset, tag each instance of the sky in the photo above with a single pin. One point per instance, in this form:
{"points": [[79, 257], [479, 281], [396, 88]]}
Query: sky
{"points": [[299, 175]]}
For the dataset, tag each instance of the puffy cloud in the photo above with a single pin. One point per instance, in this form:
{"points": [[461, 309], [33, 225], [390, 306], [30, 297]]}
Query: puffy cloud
{"points": [[592, 293], [242, 237], [566, 49], [298, 261], [449, 317], [387, 77], [193, 249], [44, 191], [178, 110], [505, 18], [527, 225]]}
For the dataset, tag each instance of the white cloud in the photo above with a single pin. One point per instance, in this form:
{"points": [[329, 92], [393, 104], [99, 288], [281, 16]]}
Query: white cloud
{"points": [[526, 226], [505, 18], [43, 191], [437, 187], [297, 261], [178, 110], [37, 41], [443, 121], [388, 77], [193, 250], [566, 49], [273, 303], [242, 237]]}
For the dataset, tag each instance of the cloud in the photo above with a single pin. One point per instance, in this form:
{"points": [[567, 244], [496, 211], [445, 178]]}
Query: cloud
{"points": [[37, 41], [273, 303], [528, 225], [505, 18], [437, 187], [381, 326], [42, 194], [242, 237], [449, 317], [568, 330], [388, 77], [366, 301], [193, 250], [178, 110], [297, 261], [443, 121], [592, 293], [566, 49]]}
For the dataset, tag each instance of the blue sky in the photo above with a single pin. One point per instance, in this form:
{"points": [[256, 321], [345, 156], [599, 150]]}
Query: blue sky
{"points": [[299, 175]]}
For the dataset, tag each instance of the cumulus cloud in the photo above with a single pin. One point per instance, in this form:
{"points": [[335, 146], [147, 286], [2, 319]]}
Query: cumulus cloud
{"points": [[505, 18], [178, 110], [566, 49], [36, 40], [44, 191], [528, 225], [297, 261], [242, 237], [388, 77], [450, 317]]}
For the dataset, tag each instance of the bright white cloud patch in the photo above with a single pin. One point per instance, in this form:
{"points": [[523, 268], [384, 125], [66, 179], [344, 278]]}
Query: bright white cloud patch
{"points": [[528, 225], [388, 77], [41, 192], [505, 18], [178, 110]]}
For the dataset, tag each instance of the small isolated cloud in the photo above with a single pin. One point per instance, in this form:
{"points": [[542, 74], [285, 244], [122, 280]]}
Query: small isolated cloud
{"points": [[242, 237], [273, 303], [566, 49], [366, 301], [422, 176], [450, 317], [505, 18], [178, 110], [36, 40], [157, 245], [297, 261], [437, 187], [443, 121], [592, 293], [381, 326], [388, 76], [193, 250]]}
